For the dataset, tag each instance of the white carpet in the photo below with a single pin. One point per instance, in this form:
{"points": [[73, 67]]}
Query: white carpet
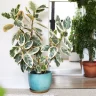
{"points": [[54, 92]]}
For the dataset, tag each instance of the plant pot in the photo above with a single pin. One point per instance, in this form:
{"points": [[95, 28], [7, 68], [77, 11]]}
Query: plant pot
{"points": [[40, 83], [89, 69], [74, 57]]}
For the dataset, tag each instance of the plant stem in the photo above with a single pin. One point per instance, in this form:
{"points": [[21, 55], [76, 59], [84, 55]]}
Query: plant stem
{"points": [[32, 28], [90, 55]]}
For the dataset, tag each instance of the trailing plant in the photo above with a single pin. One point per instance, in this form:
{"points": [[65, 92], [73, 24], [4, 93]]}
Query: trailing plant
{"points": [[86, 28], [74, 28], [28, 49]]}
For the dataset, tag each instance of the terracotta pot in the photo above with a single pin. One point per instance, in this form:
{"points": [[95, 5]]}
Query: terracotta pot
{"points": [[89, 69]]}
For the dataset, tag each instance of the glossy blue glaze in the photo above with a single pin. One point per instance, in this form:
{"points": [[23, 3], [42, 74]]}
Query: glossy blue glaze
{"points": [[40, 82]]}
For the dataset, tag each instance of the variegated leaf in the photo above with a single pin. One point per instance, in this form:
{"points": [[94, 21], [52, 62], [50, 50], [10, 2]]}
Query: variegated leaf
{"points": [[52, 52], [21, 39], [28, 60], [34, 50], [57, 63], [16, 36], [38, 69], [8, 27], [18, 58], [58, 57], [23, 65], [65, 51], [32, 6], [20, 15], [27, 37], [14, 51], [28, 44], [67, 23], [30, 16], [45, 48], [55, 40]]}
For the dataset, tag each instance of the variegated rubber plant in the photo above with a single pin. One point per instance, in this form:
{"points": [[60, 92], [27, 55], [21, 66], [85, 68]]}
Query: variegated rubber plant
{"points": [[59, 36], [27, 47]]}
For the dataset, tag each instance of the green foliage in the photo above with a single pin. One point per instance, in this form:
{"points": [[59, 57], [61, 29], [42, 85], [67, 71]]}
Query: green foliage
{"points": [[13, 13], [74, 28], [84, 30], [2, 91]]}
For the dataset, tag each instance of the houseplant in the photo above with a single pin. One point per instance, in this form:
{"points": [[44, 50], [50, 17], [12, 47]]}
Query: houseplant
{"points": [[61, 32], [85, 37], [72, 38], [28, 49]]}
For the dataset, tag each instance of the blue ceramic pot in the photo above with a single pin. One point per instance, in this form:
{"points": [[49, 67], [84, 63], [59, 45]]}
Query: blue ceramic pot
{"points": [[40, 82]]}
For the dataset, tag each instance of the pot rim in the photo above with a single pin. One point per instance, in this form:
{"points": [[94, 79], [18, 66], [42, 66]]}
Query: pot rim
{"points": [[88, 63], [33, 72]]}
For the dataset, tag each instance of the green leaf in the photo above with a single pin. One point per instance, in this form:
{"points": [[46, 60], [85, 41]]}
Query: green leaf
{"points": [[67, 23], [23, 66], [45, 48], [38, 69], [28, 60], [21, 39], [43, 67], [18, 23], [41, 25], [55, 40], [32, 6], [42, 6], [36, 41], [28, 44], [42, 59], [39, 10], [27, 10], [38, 30], [27, 37], [57, 63], [52, 52], [65, 51], [6, 15], [14, 51], [58, 57], [8, 27], [18, 57], [34, 50], [16, 36]]}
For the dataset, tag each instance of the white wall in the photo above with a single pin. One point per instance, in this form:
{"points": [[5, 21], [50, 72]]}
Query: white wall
{"points": [[10, 73]]}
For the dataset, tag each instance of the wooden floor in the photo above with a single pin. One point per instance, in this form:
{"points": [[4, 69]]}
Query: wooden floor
{"points": [[73, 82]]}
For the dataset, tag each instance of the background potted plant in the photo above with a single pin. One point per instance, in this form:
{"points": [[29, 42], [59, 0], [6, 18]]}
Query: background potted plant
{"points": [[80, 3], [85, 37], [72, 38], [28, 49]]}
